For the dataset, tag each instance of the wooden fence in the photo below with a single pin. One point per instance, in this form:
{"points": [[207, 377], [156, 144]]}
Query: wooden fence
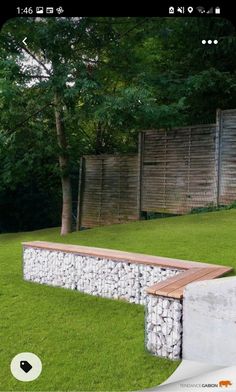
{"points": [[109, 190], [227, 156], [178, 169], [174, 171]]}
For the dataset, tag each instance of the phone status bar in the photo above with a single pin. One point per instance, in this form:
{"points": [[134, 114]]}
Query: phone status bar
{"points": [[165, 10], [41, 11], [190, 10]]}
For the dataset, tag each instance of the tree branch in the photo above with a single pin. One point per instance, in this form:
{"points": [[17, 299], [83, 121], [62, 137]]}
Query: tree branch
{"points": [[134, 27], [37, 76], [35, 58], [32, 115]]}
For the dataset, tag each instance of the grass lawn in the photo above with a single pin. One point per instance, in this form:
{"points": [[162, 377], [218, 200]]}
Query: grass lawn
{"points": [[87, 343]]}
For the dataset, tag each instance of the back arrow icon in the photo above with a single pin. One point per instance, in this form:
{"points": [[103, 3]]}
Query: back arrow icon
{"points": [[24, 41]]}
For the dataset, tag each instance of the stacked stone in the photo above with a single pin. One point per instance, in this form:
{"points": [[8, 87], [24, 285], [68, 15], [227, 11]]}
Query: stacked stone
{"points": [[52, 268], [118, 280], [164, 326], [93, 275], [107, 278], [149, 275]]}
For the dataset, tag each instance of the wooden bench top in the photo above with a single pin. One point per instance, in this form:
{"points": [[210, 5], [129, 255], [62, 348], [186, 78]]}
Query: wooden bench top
{"points": [[171, 287], [119, 255], [174, 287]]}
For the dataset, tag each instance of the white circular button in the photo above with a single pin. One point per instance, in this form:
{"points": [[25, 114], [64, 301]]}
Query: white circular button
{"points": [[26, 367]]}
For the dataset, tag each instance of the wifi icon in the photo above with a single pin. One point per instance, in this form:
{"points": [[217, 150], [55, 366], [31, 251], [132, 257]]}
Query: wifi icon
{"points": [[201, 10]]}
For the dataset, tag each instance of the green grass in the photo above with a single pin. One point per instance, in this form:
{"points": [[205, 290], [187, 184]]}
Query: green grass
{"points": [[88, 343]]}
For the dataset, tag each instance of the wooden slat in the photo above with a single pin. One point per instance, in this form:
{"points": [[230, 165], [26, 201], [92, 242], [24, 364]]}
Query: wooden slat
{"points": [[182, 281], [174, 287], [227, 183], [216, 273], [181, 169], [183, 164], [121, 255], [162, 285], [111, 186]]}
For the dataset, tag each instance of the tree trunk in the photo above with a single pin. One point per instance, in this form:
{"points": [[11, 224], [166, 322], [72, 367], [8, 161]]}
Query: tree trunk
{"points": [[66, 218], [99, 139]]}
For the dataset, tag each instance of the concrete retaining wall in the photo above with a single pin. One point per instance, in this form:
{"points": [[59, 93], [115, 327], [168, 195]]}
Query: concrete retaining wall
{"points": [[209, 321]]}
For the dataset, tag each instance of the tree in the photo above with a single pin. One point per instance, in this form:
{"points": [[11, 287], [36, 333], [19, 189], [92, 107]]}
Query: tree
{"points": [[98, 81], [57, 51]]}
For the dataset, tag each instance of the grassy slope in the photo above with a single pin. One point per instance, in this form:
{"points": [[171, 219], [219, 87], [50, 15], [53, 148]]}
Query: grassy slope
{"points": [[89, 343]]}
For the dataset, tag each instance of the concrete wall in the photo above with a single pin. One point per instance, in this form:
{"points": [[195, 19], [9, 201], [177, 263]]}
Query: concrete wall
{"points": [[209, 321]]}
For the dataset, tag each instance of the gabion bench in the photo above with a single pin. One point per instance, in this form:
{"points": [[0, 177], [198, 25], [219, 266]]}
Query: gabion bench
{"points": [[156, 282]]}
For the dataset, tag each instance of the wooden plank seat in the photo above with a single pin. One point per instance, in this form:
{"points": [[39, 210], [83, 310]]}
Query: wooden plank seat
{"points": [[191, 271], [174, 287], [130, 257]]}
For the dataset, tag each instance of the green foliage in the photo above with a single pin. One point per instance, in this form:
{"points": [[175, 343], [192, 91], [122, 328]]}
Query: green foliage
{"points": [[108, 359], [211, 208], [115, 76], [85, 343]]}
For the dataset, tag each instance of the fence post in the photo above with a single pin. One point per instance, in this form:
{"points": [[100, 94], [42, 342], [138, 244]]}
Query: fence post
{"points": [[80, 194], [140, 169], [218, 144]]}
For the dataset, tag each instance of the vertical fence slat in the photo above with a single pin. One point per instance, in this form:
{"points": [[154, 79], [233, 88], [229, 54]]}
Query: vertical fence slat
{"points": [[110, 190], [139, 172], [218, 150], [173, 181], [227, 186], [80, 194]]}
